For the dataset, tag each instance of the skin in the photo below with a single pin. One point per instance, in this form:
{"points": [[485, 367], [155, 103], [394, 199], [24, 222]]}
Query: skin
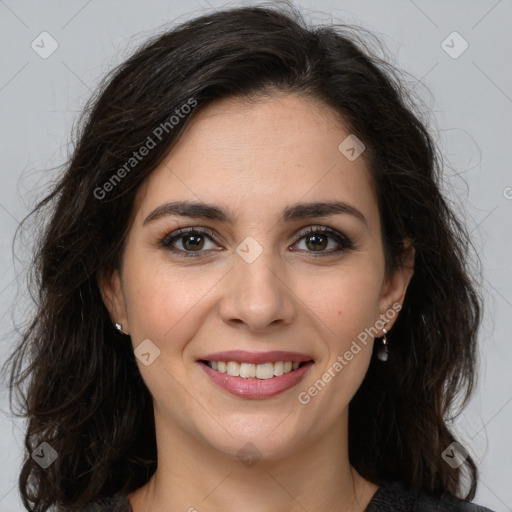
{"points": [[255, 158]]}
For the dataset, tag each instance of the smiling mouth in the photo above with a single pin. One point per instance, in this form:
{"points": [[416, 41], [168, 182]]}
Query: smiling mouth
{"points": [[262, 371]]}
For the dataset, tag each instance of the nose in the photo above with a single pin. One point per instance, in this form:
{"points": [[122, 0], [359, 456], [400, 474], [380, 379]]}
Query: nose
{"points": [[258, 294]]}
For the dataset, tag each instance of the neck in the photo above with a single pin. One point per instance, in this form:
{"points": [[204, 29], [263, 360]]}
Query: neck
{"points": [[194, 476]]}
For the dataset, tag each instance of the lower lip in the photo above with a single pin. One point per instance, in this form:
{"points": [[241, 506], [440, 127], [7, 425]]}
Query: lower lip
{"points": [[257, 389]]}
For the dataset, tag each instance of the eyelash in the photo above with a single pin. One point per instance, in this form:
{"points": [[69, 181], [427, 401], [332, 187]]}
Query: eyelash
{"points": [[168, 240]]}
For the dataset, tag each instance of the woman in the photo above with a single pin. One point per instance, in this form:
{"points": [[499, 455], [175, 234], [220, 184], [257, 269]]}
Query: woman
{"points": [[251, 293]]}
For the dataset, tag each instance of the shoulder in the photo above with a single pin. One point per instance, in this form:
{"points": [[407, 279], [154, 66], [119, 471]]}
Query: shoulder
{"points": [[446, 503], [395, 497]]}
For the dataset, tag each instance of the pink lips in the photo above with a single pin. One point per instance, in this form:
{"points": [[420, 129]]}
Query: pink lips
{"points": [[256, 389]]}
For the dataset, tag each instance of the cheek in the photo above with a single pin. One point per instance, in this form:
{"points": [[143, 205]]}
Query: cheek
{"points": [[347, 305], [346, 300], [166, 303], [162, 304]]}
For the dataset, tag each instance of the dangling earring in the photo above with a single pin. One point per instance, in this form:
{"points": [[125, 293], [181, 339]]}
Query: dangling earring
{"points": [[382, 352], [119, 327]]}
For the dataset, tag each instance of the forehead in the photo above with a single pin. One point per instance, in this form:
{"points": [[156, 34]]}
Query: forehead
{"points": [[254, 156]]}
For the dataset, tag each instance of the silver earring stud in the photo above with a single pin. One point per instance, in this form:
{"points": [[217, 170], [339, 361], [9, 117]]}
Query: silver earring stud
{"points": [[382, 352], [119, 327]]}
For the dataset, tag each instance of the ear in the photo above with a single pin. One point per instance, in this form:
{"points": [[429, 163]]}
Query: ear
{"points": [[113, 298], [395, 285]]}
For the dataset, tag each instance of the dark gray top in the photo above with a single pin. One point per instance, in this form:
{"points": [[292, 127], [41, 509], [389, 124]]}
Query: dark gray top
{"points": [[391, 497]]}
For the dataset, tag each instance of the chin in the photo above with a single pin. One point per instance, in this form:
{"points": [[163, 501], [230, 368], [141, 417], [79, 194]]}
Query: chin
{"points": [[249, 444]]}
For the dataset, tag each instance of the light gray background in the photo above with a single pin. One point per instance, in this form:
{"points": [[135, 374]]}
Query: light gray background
{"points": [[471, 100]]}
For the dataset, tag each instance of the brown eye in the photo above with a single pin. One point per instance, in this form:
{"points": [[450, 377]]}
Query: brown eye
{"points": [[317, 240], [188, 242], [192, 242]]}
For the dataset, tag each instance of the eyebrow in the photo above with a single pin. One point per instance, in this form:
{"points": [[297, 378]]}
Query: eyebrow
{"points": [[200, 210]]}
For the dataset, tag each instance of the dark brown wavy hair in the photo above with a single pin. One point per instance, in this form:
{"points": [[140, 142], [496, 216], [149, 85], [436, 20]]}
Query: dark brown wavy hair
{"points": [[76, 379]]}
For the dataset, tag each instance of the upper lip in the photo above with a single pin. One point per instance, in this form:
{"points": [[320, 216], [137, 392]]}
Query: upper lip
{"points": [[241, 356]]}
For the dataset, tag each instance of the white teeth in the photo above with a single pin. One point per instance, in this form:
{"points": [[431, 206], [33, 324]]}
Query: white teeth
{"points": [[250, 371], [233, 369], [265, 371], [278, 368]]}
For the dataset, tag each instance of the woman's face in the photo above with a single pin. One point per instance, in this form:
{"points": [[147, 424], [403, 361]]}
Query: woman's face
{"points": [[256, 283]]}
